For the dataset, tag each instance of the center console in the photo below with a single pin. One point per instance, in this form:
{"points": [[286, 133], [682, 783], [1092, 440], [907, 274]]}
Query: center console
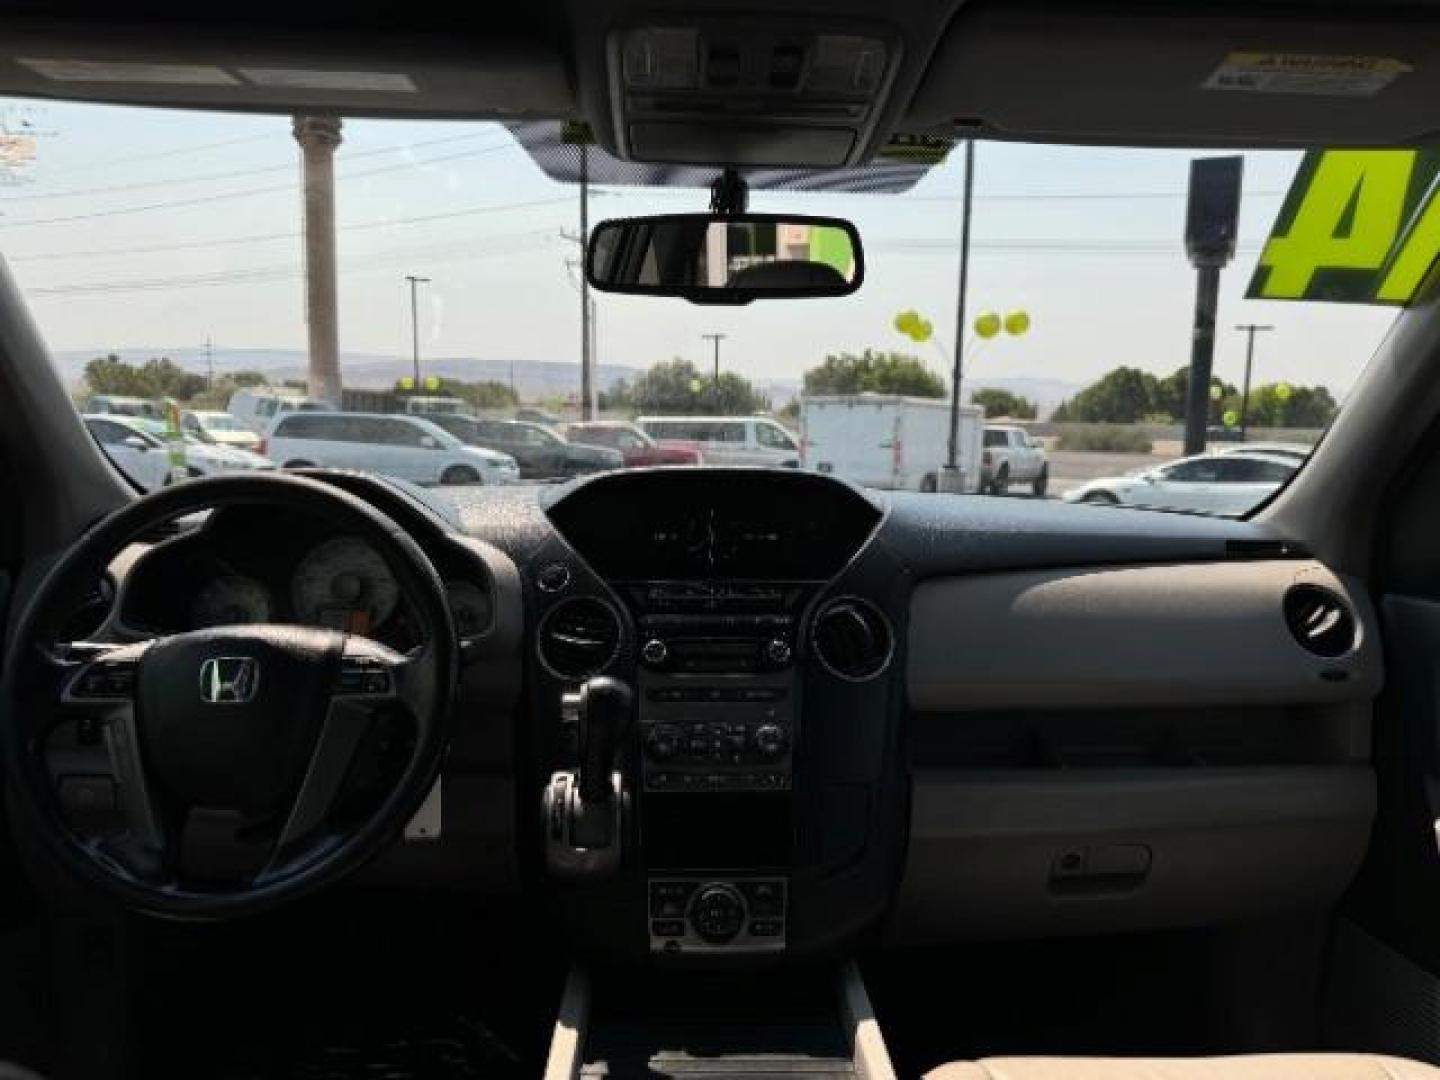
{"points": [[748, 774]]}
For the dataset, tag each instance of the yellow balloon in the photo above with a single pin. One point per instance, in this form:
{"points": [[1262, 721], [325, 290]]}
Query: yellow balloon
{"points": [[1017, 322], [902, 322], [922, 330], [1283, 391], [1216, 393], [987, 324], [696, 386], [1231, 418]]}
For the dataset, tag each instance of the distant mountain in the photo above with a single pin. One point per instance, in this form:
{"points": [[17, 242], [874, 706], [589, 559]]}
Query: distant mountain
{"points": [[534, 379]]}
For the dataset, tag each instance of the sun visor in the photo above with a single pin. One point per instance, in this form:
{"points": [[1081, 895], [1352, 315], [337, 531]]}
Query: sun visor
{"points": [[1184, 75], [556, 149]]}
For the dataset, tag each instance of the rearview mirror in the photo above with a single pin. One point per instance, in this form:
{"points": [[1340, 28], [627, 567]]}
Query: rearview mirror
{"points": [[734, 259]]}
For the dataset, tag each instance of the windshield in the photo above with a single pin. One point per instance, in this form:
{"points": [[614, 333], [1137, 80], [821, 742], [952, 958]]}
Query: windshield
{"points": [[164, 254]]}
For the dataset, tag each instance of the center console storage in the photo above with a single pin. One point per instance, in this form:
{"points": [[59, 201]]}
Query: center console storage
{"points": [[812, 1022]]}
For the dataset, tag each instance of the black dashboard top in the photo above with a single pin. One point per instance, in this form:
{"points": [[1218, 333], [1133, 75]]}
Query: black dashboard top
{"points": [[932, 535]]}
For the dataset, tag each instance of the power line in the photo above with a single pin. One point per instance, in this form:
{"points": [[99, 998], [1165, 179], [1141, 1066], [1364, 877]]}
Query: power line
{"points": [[230, 241], [257, 275], [234, 175], [113, 163], [202, 200]]}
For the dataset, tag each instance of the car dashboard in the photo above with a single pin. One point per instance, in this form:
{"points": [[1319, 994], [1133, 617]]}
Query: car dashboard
{"points": [[927, 717]]}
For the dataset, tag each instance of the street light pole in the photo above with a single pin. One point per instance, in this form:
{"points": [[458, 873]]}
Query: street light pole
{"points": [[716, 338], [415, 324], [1250, 329], [952, 449]]}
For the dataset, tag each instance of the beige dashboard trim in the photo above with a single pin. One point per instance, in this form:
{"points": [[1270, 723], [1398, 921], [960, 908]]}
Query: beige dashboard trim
{"points": [[1190, 634]]}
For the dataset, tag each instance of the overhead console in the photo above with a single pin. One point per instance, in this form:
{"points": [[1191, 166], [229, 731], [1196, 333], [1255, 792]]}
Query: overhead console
{"points": [[767, 93]]}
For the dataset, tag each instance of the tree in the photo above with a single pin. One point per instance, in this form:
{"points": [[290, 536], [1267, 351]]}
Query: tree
{"points": [[677, 387], [1172, 396], [1282, 406], [158, 377], [997, 402], [619, 398], [875, 372], [1122, 396]]}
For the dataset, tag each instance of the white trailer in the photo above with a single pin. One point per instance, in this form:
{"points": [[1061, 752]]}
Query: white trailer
{"points": [[888, 441]]}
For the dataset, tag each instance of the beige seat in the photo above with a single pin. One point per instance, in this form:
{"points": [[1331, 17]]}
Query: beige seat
{"points": [[1250, 1067]]}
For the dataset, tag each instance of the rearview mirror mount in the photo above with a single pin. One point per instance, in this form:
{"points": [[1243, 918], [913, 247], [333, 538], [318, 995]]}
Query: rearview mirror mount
{"points": [[726, 259]]}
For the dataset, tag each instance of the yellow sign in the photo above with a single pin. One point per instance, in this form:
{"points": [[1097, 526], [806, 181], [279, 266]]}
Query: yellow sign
{"points": [[1357, 226]]}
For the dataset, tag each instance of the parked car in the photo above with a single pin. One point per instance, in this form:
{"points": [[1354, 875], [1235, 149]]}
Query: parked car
{"points": [[139, 448], [1011, 455], [1229, 482], [729, 440], [1297, 451], [258, 406], [216, 426], [534, 415], [637, 448], [405, 447], [540, 452], [120, 405]]}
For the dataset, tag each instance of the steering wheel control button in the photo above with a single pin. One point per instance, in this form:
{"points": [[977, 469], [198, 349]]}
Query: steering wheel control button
{"points": [[718, 913], [105, 680], [553, 578], [778, 652], [363, 677], [655, 652], [771, 740]]}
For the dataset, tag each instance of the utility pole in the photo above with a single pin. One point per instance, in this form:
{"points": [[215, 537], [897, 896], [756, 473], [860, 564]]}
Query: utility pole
{"points": [[587, 343], [318, 137], [716, 338], [950, 478], [415, 325], [1250, 329]]}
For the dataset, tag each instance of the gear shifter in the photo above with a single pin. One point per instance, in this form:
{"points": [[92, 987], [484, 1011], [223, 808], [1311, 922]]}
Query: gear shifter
{"points": [[603, 714], [585, 808]]}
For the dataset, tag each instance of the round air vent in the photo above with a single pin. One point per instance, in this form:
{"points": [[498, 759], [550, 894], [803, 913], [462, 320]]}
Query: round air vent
{"points": [[1320, 620], [853, 638], [579, 637]]}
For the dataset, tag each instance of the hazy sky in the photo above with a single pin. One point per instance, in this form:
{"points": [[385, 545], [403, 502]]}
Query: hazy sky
{"points": [[142, 227]]}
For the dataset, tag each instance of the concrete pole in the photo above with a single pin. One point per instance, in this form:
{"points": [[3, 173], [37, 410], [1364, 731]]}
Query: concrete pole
{"points": [[318, 137]]}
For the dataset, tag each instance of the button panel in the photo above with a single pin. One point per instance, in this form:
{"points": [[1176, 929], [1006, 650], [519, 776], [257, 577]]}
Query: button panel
{"points": [[363, 676], [702, 914], [715, 734]]}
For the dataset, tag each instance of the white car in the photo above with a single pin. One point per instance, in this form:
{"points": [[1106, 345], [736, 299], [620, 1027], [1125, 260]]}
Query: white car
{"points": [[1297, 451], [139, 449], [728, 440], [1229, 482], [216, 426], [405, 447], [1010, 455]]}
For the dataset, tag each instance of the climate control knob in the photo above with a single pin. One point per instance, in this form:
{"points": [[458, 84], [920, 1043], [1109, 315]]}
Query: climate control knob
{"points": [[778, 651], [654, 651], [771, 740], [717, 913], [662, 742]]}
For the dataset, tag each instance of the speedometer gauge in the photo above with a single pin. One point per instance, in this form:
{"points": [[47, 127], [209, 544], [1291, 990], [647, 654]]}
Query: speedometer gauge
{"points": [[229, 601], [344, 584]]}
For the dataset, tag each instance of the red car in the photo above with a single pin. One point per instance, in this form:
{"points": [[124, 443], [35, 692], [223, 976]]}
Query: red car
{"points": [[639, 449]]}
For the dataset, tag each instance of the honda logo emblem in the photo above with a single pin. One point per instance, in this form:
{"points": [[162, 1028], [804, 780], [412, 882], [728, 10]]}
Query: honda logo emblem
{"points": [[229, 680]]}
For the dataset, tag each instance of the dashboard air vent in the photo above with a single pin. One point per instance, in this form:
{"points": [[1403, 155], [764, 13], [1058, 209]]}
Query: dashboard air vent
{"points": [[1320, 620], [579, 637], [853, 639]]}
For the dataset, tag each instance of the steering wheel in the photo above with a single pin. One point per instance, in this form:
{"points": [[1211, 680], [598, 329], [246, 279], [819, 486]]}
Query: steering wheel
{"points": [[265, 726]]}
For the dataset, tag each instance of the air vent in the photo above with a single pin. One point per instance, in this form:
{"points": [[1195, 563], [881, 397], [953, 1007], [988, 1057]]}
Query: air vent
{"points": [[853, 639], [1320, 620], [579, 638]]}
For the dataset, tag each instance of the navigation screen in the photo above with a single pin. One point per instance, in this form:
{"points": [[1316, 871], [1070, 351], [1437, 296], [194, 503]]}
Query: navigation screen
{"points": [[703, 523]]}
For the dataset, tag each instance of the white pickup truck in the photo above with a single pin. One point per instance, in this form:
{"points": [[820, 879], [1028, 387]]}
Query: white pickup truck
{"points": [[1010, 455]]}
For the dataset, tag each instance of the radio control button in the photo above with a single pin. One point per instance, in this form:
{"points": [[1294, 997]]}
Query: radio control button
{"points": [[654, 651]]}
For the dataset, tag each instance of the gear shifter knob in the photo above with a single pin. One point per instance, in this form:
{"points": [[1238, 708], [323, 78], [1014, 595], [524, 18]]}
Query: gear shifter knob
{"points": [[604, 710]]}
